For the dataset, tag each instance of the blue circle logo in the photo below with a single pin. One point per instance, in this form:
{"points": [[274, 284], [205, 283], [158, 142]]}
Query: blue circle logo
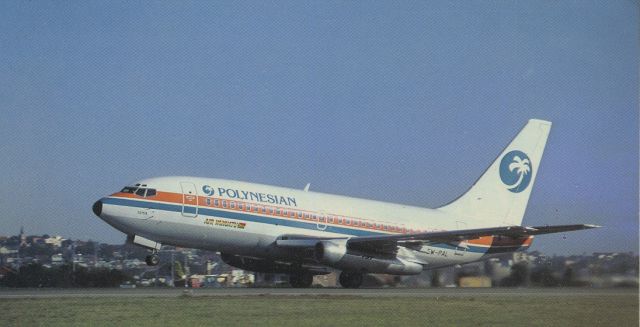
{"points": [[515, 171], [208, 190]]}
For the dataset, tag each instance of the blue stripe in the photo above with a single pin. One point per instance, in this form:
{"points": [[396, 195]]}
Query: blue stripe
{"points": [[262, 219]]}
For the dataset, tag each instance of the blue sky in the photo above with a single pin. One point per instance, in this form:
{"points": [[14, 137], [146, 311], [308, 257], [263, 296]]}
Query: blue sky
{"points": [[404, 102]]}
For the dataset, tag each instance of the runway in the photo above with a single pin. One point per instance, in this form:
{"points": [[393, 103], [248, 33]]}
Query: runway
{"points": [[313, 292]]}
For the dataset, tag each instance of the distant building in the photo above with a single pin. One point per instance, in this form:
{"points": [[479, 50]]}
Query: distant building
{"points": [[57, 259], [55, 241], [328, 280], [521, 257], [5, 250], [23, 237]]}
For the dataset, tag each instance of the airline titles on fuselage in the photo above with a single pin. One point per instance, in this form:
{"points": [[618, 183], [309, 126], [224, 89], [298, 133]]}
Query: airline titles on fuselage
{"points": [[251, 196]]}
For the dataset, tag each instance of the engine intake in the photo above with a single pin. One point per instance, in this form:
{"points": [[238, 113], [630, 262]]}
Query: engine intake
{"points": [[330, 252]]}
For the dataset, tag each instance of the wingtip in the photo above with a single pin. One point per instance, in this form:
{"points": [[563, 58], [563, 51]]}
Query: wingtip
{"points": [[592, 226]]}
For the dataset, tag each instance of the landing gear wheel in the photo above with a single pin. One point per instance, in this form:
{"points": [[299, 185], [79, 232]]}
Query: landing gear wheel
{"points": [[350, 279], [152, 260], [301, 280]]}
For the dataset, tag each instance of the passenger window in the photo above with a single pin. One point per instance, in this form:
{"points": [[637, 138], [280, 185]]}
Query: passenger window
{"points": [[356, 222], [140, 191], [216, 202], [278, 211], [248, 207], [232, 204], [284, 212], [306, 216], [271, 211], [240, 206], [224, 203], [256, 208], [347, 221], [339, 220], [151, 192], [330, 219], [208, 201]]}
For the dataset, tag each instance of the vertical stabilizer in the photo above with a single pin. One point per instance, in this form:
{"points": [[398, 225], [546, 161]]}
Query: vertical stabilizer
{"points": [[500, 196]]}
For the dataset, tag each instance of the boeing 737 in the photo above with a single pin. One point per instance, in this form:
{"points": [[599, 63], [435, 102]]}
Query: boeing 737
{"points": [[302, 233]]}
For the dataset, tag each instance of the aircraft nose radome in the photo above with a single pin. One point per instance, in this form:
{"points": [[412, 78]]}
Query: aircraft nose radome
{"points": [[97, 208]]}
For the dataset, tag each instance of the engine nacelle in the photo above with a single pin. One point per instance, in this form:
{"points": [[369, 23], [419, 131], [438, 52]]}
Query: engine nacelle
{"points": [[330, 252], [335, 254]]}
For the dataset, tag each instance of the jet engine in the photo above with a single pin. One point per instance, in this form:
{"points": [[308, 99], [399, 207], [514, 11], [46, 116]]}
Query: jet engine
{"points": [[335, 253]]}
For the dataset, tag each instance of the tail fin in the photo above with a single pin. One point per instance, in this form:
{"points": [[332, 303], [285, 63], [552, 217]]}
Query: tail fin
{"points": [[500, 196]]}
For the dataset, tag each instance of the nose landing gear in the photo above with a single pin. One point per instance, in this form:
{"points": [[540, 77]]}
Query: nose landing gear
{"points": [[152, 259]]}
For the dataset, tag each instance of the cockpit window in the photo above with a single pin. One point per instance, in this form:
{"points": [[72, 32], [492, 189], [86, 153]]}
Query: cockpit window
{"points": [[139, 191], [129, 189]]}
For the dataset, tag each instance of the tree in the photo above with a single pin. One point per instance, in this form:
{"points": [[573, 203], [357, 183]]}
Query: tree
{"points": [[519, 275], [567, 277], [179, 270], [544, 277], [435, 278]]}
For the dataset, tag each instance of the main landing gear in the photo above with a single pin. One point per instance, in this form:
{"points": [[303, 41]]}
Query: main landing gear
{"points": [[152, 259], [301, 280], [350, 279]]}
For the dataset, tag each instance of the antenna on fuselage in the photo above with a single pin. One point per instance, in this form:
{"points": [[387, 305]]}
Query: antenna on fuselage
{"points": [[306, 188]]}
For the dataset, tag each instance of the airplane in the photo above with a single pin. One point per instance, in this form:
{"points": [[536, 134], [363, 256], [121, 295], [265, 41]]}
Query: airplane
{"points": [[301, 233]]}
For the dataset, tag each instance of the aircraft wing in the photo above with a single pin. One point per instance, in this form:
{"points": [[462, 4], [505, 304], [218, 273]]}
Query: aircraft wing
{"points": [[465, 234], [388, 243]]}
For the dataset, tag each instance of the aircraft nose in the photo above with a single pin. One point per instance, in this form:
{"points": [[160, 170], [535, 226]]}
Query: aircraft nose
{"points": [[97, 208]]}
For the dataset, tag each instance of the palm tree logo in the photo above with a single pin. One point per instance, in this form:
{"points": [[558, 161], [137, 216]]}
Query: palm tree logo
{"points": [[208, 190], [515, 171]]}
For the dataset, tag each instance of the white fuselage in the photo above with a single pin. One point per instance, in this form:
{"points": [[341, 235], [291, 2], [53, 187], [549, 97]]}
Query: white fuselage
{"points": [[246, 219]]}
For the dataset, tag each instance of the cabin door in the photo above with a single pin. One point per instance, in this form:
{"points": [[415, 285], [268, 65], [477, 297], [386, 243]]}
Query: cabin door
{"points": [[189, 199]]}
